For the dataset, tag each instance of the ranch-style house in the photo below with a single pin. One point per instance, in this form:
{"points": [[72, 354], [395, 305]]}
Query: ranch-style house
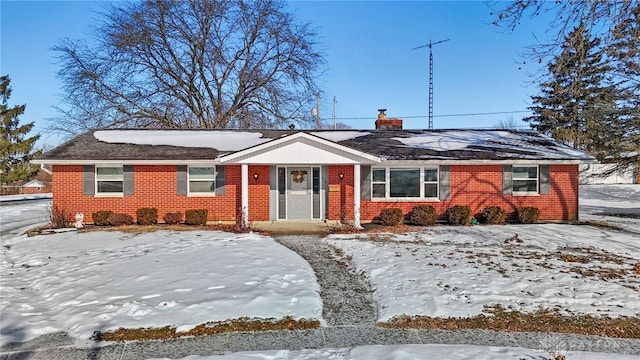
{"points": [[324, 175]]}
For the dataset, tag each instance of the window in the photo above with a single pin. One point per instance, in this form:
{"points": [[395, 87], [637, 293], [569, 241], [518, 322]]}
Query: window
{"points": [[404, 183], [379, 183], [202, 180], [525, 179], [109, 180], [431, 182]]}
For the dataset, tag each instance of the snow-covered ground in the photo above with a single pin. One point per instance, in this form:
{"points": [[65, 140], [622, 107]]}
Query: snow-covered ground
{"points": [[456, 271], [602, 202], [17, 218], [82, 282], [410, 352]]}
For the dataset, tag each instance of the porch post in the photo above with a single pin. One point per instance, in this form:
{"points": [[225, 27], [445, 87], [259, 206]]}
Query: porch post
{"points": [[245, 195], [356, 196]]}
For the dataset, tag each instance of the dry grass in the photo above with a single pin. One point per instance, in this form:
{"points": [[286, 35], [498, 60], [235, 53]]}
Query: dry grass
{"points": [[210, 328], [499, 319], [601, 224], [139, 229]]}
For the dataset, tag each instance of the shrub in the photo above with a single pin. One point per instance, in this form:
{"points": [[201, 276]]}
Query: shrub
{"points": [[528, 214], [59, 218], [101, 218], [196, 217], [147, 216], [493, 215], [423, 215], [391, 217], [119, 219], [172, 218], [458, 215]]}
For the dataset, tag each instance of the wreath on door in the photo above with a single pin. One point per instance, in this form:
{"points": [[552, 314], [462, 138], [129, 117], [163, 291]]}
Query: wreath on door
{"points": [[299, 176]]}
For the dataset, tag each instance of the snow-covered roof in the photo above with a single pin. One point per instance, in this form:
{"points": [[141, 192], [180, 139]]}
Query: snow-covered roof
{"points": [[502, 143], [223, 140], [403, 145], [34, 183]]}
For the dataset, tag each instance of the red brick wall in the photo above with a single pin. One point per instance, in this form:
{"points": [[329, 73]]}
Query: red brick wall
{"points": [[477, 186], [258, 193], [340, 203], [155, 186]]}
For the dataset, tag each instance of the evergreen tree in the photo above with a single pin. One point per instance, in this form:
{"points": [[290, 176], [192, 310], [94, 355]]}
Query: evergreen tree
{"points": [[577, 99], [624, 53], [15, 150]]}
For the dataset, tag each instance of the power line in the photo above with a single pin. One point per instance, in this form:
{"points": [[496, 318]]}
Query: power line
{"points": [[444, 115], [486, 113]]}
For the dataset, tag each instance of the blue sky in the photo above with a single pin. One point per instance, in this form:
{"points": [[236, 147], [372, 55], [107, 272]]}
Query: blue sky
{"points": [[368, 47]]}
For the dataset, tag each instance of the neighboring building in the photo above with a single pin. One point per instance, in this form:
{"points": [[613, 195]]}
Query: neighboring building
{"points": [[35, 186], [283, 175], [598, 174]]}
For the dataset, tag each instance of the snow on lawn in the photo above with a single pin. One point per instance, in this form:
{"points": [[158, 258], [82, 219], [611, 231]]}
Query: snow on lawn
{"points": [[456, 271], [83, 282], [616, 204], [403, 352], [15, 219]]}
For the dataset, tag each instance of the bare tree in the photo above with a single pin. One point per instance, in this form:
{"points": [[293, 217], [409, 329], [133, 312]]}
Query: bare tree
{"points": [[509, 123], [598, 17], [190, 64]]}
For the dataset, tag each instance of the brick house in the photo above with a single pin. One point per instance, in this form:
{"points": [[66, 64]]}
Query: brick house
{"points": [[283, 175]]}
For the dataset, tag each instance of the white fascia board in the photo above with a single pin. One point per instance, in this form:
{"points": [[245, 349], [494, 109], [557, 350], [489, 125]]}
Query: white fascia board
{"points": [[258, 149], [124, 162]]}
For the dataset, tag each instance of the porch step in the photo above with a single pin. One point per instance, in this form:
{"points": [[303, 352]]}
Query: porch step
{"points": [[292, 227]]}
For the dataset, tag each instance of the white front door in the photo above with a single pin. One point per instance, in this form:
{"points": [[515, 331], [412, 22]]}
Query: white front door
{"points": [[299, 193], [301, 198]]}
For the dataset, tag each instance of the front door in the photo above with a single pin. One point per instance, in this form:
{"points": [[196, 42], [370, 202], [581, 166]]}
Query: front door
{"points": [[299, 193]]}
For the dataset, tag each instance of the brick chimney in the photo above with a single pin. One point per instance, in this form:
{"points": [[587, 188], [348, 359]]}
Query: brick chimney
{"points": [[387, 124]]}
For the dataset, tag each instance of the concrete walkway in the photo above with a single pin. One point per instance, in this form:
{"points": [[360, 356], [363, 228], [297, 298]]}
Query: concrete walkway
{"points": [[346, 296]]}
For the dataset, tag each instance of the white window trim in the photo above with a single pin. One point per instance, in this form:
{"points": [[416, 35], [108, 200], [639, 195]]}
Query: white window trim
{"points": [[201, 194], [96, 181], [387, 183], [537, 179]]}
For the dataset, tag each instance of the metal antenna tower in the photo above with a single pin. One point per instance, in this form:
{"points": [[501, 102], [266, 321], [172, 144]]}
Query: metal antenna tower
{"points": [[430, 46]]}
